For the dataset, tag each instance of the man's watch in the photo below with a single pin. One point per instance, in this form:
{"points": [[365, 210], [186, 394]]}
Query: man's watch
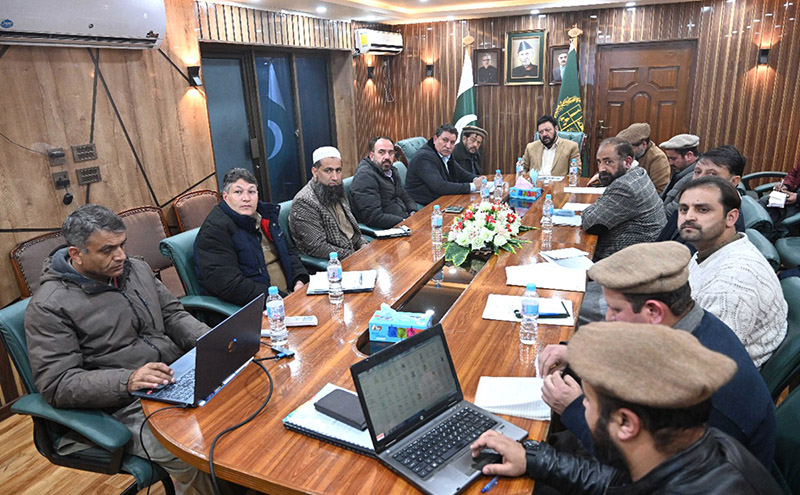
{"points": [[531, 445]]}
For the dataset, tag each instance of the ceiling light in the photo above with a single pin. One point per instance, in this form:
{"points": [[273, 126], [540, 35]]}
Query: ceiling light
{"points": [[542, 16], [321, 9], [535, 11], [707, 8], [592, 17]]}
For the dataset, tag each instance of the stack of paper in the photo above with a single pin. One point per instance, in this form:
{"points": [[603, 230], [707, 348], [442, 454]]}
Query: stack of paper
{"points": [[568, 221], [363, 281], [568, 258], [547, 276], [777, 199], [513, 395], [576, 206], [552, 310], [584, 190]]}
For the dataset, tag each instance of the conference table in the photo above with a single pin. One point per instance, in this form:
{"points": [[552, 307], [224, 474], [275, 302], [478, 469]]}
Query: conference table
{"points": [[265, 456]]}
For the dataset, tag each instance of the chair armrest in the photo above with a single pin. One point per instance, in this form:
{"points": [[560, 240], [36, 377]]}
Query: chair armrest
{"points": [[367, 230], [761, 175], [765, 188], [97, 426], [316, 264], [209, 303], [791, 221]]}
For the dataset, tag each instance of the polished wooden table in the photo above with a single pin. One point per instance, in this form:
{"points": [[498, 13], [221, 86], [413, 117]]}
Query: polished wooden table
{"points": [[265, 456]]}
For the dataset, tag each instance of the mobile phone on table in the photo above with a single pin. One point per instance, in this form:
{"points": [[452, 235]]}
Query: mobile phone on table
{"points": [[454, 209]]}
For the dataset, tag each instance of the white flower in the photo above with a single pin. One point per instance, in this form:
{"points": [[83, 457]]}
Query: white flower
{"points": [[499, 240]]}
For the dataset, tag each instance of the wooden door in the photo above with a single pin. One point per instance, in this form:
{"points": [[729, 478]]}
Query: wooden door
{"points": [[644, 82]]}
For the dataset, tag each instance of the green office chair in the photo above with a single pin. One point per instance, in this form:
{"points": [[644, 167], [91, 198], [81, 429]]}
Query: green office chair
{"points": [[577, 137], [312, 264], [789, 250], [411, 145], [180, 249], [763, 188], [783, 367], [765, 247], [755, 216], [50, 423], [787, 443]]}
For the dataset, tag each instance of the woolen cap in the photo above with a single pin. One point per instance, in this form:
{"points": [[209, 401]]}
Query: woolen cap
{"points": [[635, 133], [325, 152], [680, 142], [644, 268], [649, 365], [475, 130]]}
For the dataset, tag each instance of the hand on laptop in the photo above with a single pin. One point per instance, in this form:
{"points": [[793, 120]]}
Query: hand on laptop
{"points": [[559, 391], [514, 460], [151, 375], [553, 358]]}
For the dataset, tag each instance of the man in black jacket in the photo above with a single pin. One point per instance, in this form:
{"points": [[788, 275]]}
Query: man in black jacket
{"points": [[468, 152], [434, 172], [240, 250], [377, 197]]}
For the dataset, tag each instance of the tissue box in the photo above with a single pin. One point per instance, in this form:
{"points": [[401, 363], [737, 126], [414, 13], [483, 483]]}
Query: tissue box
{"points": [[529, 194], [390, 328]]}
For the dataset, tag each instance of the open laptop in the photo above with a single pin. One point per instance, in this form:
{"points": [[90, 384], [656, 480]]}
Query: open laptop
{"points": [[420, 424], [217, 357]]}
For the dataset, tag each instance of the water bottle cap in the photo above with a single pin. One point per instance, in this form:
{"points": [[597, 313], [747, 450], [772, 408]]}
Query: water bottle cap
{"points": [[334, 255], [484, 180], [498, 171], [273, 290], [547, 196], [530, 288], [436, 207]]}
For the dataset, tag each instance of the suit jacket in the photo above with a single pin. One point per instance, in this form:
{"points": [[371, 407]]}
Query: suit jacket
{"points": [[428, 178], [557, 73], [656, 164], [565, 152]]}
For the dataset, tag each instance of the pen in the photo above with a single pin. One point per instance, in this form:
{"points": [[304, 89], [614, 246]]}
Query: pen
{"points": [[360, 279], [490, 485], [565, 307]]}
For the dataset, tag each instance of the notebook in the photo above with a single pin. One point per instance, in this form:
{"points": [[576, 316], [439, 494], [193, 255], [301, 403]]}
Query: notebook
{"points": [[217, 357], [513, 395], [410, 393]]}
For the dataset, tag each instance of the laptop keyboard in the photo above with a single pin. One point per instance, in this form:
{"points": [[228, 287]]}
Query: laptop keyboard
{"points": [[182, 390], [441, 443]]}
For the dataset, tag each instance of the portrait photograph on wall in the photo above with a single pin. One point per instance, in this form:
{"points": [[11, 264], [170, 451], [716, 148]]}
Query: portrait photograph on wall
{"points": [[525, 61], [487, 67], [558, 62]]}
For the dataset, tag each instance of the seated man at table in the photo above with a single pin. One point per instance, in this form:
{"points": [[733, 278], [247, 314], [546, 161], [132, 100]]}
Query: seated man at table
{"points": [[379, 199], [647, 154], [550, 155], [648, 420], [649, 283], [320, 219], [240, 250], [728, 274], [629, 211], [434, 172], [101, 326], [468, 152]]}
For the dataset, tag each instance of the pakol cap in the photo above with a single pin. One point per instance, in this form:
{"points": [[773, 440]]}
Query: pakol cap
{"points": [[635, 133], [473, 129], [644, 268], [681, 141]]}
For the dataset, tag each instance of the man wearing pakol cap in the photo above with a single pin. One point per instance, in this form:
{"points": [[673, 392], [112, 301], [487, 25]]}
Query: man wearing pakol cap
{"points": [[550, 155], [526, 67], [649, 156], [649, 283], [681, 151], [728, 274], [629, 211], [468, 152], [320, 219], [648, 392]]}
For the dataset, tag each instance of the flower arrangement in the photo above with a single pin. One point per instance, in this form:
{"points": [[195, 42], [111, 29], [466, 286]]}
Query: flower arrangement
{"points": [[485, 226]]}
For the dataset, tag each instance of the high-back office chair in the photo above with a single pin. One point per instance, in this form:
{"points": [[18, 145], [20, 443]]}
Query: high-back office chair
{"points": [[787, 443], [577, 137], [765, 247], [783, 367], [789, 250], [313, 265], [50, 424], [27, 258], [755, 216], [411, 145], [192, 208], [402, 170]]}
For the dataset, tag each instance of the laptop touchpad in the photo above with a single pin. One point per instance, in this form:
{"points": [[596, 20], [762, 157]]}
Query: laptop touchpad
{"points": [[467, 465]]}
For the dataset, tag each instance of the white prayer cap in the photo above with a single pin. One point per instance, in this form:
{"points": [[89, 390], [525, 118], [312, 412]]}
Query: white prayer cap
{"points": [[326, 152]]}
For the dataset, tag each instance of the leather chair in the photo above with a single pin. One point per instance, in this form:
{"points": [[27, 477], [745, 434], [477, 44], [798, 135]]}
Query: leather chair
{"points": [[402, 170], [755, 216], [366, 230], [577, 137], [27, 258], [783, 367], [192, 208], [411, 145], [787, 443], [765, 247], [50, 423], [763, 188], [312, 264], [180, 249], [789, 250]]}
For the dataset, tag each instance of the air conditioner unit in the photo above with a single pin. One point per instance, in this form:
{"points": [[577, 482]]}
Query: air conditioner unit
{"points": [[90, 23], [378, 42]]}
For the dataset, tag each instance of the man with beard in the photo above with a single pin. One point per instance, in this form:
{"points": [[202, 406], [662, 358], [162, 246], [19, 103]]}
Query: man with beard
{"points": [[379, 199], [320, 219], [729, 276], [467, 153], [630, 210], [649, 283], [550, 155], [650, 413], [649, 156]]}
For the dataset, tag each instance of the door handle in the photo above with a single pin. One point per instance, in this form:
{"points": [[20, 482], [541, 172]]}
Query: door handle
{"points": [[601, 128]]}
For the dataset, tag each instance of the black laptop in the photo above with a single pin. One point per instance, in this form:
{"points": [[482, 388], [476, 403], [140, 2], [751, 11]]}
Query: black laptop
{"points": [[420, 424], [217, 357]]}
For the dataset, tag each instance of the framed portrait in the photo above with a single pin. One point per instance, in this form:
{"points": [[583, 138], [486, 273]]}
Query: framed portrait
{"points": [[558, 61], [487, 67], [525, 61]]}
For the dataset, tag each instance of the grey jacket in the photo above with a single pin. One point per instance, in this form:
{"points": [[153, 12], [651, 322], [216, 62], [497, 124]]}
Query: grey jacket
{"points": [[85, 338], [670, 195], [315, 230], [379, 201]]}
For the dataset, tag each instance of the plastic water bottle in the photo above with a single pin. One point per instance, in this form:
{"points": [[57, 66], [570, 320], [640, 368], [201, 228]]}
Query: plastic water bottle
{"points": [[547, 214], [484, 190], [529, 328], [436, 225], [573, 172], [520, 168], [276, 314], [335, 293]]}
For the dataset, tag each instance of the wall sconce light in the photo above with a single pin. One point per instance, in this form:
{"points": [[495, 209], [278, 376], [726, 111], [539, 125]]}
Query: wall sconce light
{"points": [[763, 56], [370, 72], [194, 75], [429, 70]]}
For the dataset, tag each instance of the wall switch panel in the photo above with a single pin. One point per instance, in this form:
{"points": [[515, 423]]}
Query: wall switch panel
{"points": [[88, 175], [61, 180], [84, 152], [56, 156]]}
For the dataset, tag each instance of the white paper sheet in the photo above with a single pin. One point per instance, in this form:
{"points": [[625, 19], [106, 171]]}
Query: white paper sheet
{"points": [[547, 276], [777, 199], [501, 307], [359, 281], [512, 395], [584, 190], [560, 254], [567, 221], [576, 206]]}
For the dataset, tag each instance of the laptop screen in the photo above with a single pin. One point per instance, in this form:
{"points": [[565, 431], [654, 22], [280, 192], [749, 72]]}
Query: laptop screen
{"points": [[408, 387]]}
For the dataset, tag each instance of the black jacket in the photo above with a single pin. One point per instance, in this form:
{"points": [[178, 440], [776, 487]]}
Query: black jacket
{"points": [[377, 200], [714, 465], [228, 258], [428, 178], [471, 162]]}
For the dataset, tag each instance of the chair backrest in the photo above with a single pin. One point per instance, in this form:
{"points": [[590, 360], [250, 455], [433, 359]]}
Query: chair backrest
{"points": [[146, 226], [192, 208], [27, 258], [787, 440], [765, 247], [401, 172], [756, 216], [784, 364], [180, 249], [12, 329], [576, 137], [283, 220], [347, 183], [411, 145]]}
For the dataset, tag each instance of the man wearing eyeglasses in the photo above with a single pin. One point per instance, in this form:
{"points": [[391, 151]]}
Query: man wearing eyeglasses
{"points": [[467, 153]]}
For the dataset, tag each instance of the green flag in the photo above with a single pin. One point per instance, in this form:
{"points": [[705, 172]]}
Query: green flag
{"points": [[464, 113], [569, 112]]}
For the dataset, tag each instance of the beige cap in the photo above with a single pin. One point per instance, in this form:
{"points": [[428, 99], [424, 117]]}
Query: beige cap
{"points": [[680, 142], [644, 268], [635, 133], [649, 365], [325, 152]]}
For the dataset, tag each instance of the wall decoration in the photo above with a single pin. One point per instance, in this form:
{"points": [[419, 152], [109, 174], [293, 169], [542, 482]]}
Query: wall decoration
{"points": [[525, 62]]}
